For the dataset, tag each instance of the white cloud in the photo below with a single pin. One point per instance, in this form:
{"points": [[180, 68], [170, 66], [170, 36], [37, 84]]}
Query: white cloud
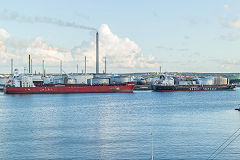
{"points": [[40, 50], [4, 35], [3, 54], [122, 54]]}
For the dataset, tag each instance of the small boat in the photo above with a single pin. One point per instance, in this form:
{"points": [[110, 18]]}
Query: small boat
{"points": [[238, 109]]}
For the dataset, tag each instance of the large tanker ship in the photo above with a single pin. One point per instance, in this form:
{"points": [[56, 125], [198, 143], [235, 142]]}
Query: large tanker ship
{"points": [[199, 84], [27, 84], [71, 88]]}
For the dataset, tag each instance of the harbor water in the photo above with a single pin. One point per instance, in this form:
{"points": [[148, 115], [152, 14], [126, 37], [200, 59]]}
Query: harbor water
{"points": [[118, 126]]}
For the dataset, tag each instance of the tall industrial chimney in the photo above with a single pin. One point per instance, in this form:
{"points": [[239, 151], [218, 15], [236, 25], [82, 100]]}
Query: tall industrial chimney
{"points": [[43, 68], [61, 67], [29, 63], [105, 65], [31, 67], [85, 68], [77, 68], [97, 54], [11, 66]]}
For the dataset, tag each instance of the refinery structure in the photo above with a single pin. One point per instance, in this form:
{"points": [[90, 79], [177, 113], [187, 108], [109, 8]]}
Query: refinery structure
{"points": [[29, 83], [103, 82]]}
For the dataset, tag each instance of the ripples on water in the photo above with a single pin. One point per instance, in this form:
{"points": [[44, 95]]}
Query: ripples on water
{"points": [[185, 125]]}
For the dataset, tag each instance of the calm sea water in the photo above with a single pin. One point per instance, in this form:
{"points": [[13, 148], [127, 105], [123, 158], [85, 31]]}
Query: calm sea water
{"points": [[184, 125]]}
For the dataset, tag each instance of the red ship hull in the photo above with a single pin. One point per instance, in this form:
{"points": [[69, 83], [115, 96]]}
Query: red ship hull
{"points": [[64, 89]]}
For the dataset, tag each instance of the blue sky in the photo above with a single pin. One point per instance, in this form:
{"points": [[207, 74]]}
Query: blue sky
{"points": [[182, 36]]}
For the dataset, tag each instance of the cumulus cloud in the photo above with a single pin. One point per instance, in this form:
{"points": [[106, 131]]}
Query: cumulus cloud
{"points": [[4, 35], [40, 50], [3, 54], [122, 53]]}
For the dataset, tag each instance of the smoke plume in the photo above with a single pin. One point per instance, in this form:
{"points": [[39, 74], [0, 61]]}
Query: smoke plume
{"points": [[15, 16]]}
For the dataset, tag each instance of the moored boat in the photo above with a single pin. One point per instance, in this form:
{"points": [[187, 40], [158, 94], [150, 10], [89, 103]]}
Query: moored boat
{"points": [[200, 84], [27, 84], [71, 88]]}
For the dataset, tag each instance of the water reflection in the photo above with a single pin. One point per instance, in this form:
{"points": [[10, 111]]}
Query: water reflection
{"points": [[117, 126]]}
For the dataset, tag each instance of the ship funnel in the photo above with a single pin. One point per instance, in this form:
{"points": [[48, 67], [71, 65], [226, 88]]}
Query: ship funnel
{"points": [[97, 53]]}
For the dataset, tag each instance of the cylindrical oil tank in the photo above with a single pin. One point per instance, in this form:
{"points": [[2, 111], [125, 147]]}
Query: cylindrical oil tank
{"points": [[47, 80], [96, 81], [120, 79], [83, 79], [141, 81], [220, 81], [194, 82], [3, 80], [185, 82], [71, 81], [206, 81], [148, 80], [154, 80], [58, 81]]}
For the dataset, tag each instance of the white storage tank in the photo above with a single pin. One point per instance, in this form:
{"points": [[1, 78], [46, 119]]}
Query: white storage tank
{"points": [[71, 81], [96, 81], [58, 79], [148, 80], [37, 77], [154, 80], [220, 81], [185, 82], [27, 81], [167, 81], [82, 79], [206, 81], [119, 79], [47, 80], [3, 80]]}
